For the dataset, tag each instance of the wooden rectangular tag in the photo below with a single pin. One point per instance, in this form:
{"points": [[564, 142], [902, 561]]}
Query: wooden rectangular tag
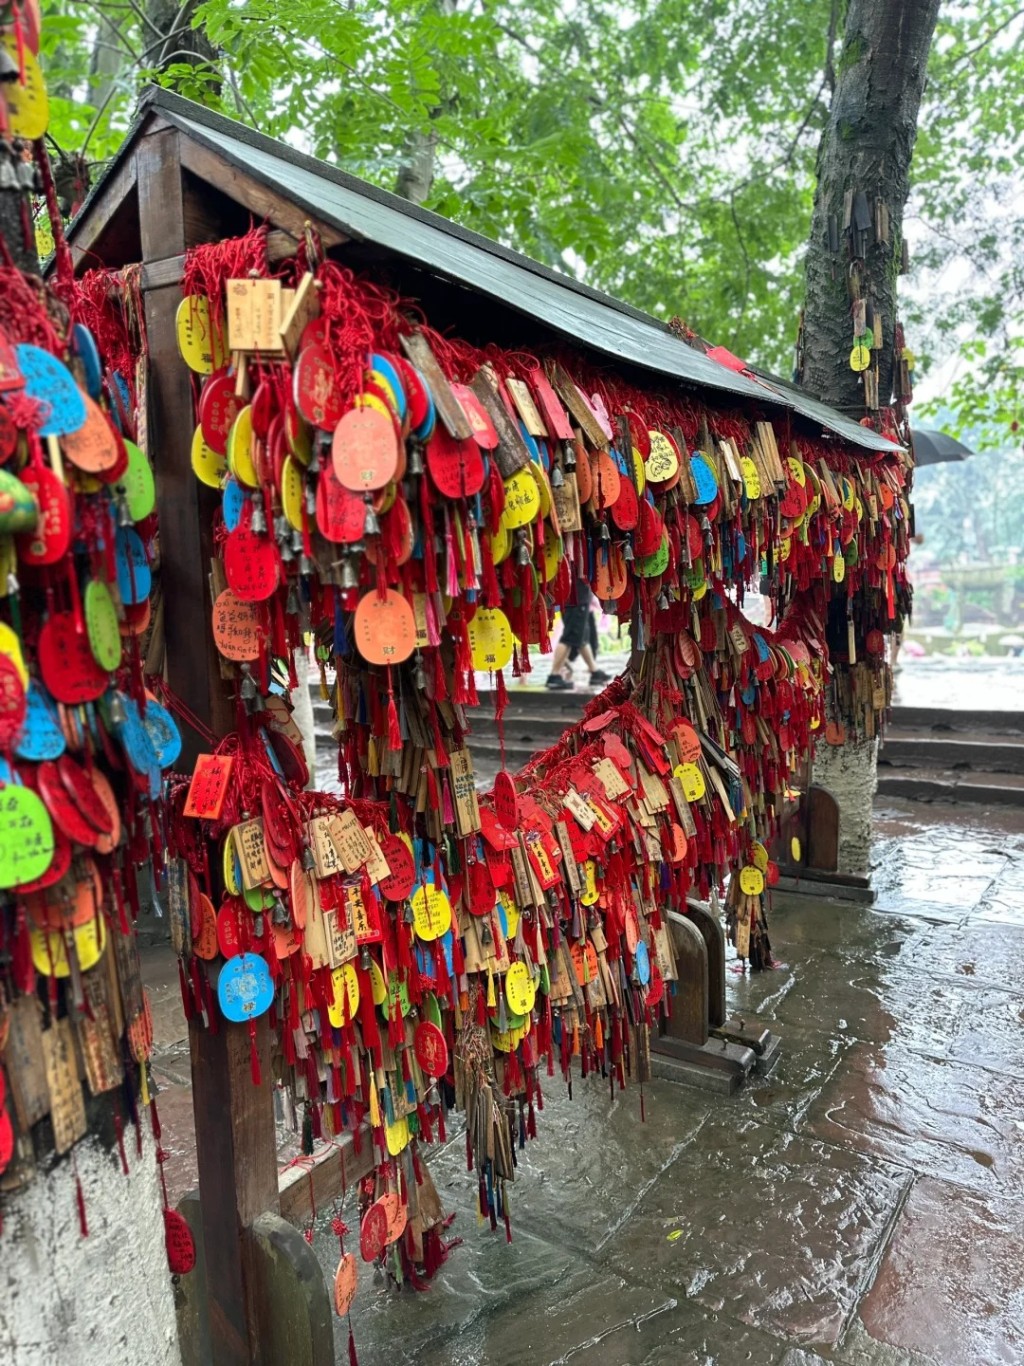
{"points": [[305, 306], [579, 810], [467, 807], [349, 839], [449, 409], [342, 946], [96, 1037], [209, 786], [24, 1062], [314, 934], [376, 864], [177, 905], [520, 873], [570, 868], [525, 406], [682, 807], [687, 487], [555, 416], [567, 391], [266, 316], [252, 853], [510, 454], [239, 299], [610, 778], [326, 858], [67, 1100], [567, 504]]}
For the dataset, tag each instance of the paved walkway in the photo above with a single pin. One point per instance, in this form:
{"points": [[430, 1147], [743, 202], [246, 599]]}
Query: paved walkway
{"points": [[861, 1205]]}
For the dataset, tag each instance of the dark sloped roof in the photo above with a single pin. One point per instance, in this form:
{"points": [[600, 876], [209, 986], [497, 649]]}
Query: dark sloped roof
{"points": [[363, 211]]}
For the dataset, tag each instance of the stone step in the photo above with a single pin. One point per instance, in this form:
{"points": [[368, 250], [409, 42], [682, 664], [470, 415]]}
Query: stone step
{"points": [[946, 720], [944, 785], [953, 750]]}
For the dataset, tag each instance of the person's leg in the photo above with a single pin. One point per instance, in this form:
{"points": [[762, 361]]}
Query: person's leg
{"points": [[596, 674], [556, 678]]}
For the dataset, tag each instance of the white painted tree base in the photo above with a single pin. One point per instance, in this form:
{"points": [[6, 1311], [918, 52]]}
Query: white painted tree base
{"points": [[850, 773], [105, 1300]]}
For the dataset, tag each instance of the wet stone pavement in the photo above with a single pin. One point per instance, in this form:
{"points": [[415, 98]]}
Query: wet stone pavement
{"points": [[860, 1205]]}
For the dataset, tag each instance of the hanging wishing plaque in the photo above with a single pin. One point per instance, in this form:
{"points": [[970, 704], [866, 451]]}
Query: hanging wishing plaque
{"points": [[66, 661], [51, 384], [385, 628], [365, 450], [134, 577], [200, 343], [244, 988], [49, 542]]}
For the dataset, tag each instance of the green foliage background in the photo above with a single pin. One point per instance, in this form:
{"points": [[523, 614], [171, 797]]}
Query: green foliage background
{"points": [[663, 150]]}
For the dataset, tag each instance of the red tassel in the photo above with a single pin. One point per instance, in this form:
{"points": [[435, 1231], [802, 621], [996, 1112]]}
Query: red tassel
{"points": [[254, 1057], [83, 1223], [469, 1152], [353, 1360], [119, 1131]]}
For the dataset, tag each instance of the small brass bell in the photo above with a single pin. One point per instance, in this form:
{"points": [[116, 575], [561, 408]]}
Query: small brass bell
{"points": [[293, 604], [259, 520], [419, 674], [247, 689], [605, 534], [308, 861], [627, 552], [569, 458], [557, 477], [371, 526], [415, 465], [522, 551], [124, 516], [349, 574]]}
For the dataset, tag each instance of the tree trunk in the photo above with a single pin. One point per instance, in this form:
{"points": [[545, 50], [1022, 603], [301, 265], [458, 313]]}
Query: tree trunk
{"points": [[865, 152], [12, 230], [866, 147]]}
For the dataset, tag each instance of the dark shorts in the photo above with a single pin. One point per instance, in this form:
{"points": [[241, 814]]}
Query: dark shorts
{"points": [[574, 626]]}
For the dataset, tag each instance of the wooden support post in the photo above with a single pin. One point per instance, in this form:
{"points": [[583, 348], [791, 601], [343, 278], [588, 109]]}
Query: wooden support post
{"points": [[234, 1119]]}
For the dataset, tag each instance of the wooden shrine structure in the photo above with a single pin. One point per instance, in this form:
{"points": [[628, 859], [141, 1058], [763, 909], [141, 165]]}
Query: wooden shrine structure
{"points": [[186, 176]]}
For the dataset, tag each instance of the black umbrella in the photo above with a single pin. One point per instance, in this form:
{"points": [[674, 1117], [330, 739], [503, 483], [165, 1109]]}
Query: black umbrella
{"points": [[936, 448]]}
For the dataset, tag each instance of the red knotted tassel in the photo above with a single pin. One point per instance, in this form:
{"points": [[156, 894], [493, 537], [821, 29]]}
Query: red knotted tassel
{"points": [[353, 1360], [254, 1057]]}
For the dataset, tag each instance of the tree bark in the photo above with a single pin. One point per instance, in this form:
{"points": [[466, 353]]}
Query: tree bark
{"points": [[12, 230], [866, 146]]}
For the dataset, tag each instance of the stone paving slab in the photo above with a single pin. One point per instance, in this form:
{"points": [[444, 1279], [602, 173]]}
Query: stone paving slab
{"points": [[970, 1246], [860, 1206]]}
